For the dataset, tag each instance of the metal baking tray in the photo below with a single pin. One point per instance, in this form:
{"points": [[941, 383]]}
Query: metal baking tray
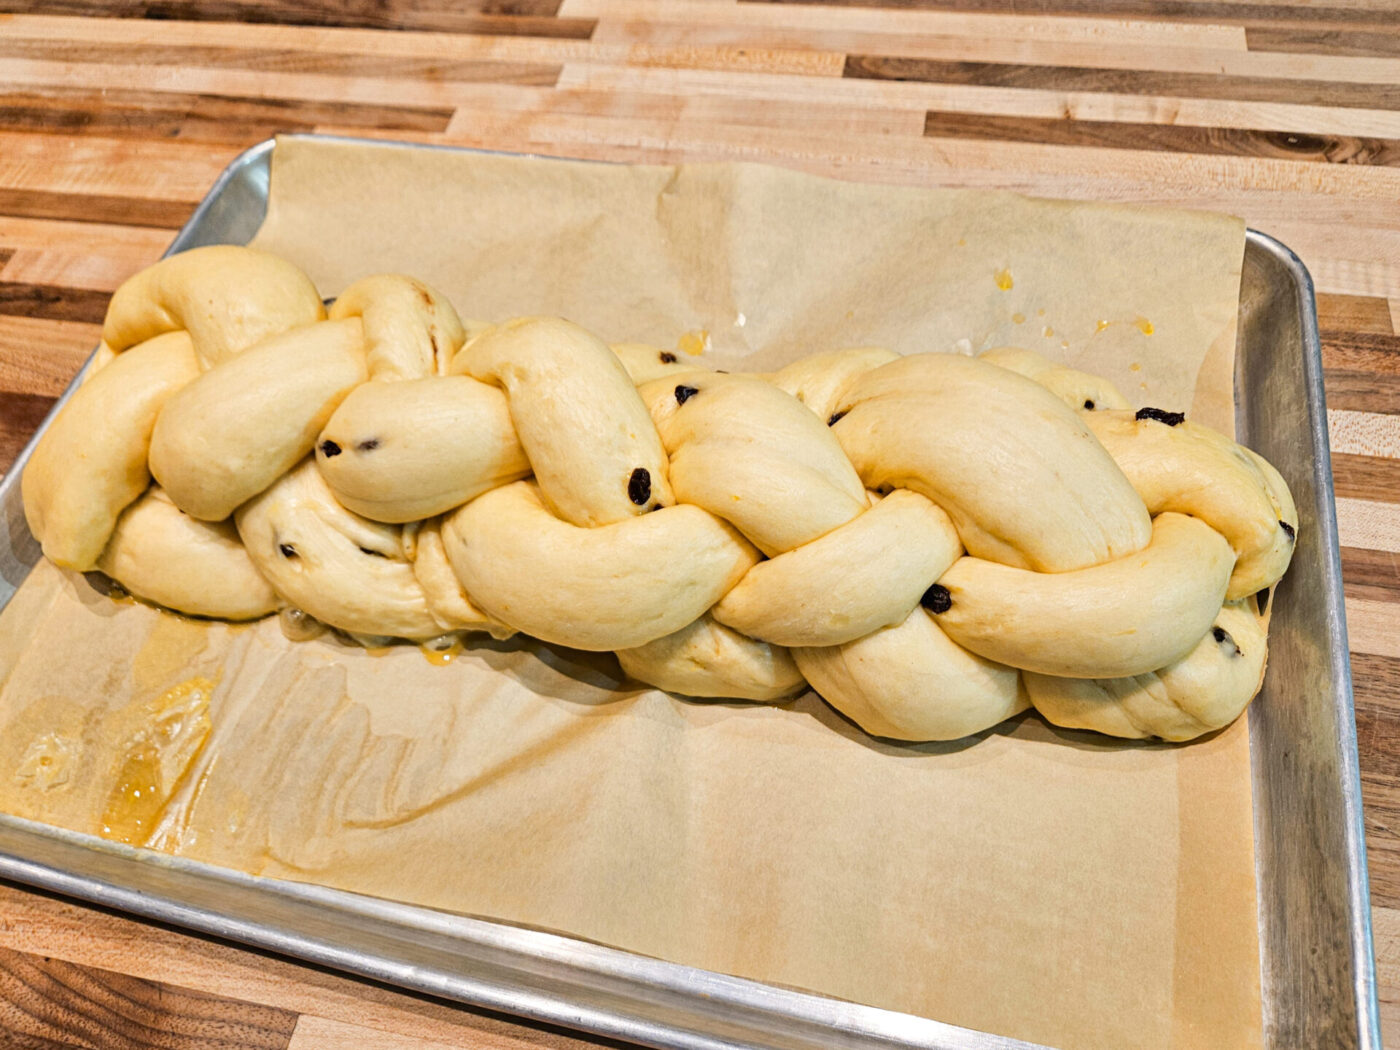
{"points": [[1314, 906]]}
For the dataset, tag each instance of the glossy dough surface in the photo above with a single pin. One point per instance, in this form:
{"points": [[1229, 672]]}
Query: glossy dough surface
{"points": [[933, 542]]}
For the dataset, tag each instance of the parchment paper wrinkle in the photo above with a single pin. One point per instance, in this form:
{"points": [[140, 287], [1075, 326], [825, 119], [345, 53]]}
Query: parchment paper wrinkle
{"points": [[1032, 882]]}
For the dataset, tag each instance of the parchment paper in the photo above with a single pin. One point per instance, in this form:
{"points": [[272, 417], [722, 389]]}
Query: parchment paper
{"points": [[1050, 885]]}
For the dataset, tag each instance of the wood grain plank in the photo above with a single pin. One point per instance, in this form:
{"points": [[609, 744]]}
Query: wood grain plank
{"points": [[68, 266], [1386, 931], [912, 23], [1231, 12], [1001, 46], [1374, 575], [465, 69], [38, 923], [1368, 524], [320, 1033], [1374, 627], [42, 357], [44, 999], [517, 17], [1371, 41], [35, 203], [1050, 102], [199, 117], [20, 416], [52, 302], [106, 166], [1127, 81], [1354, 313], [1361, 370], [1366, 477], [1243, 142], [1364, 433]]}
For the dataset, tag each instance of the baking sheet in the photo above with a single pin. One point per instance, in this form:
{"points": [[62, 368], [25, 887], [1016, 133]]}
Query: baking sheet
{"points": [[1084, 889]]}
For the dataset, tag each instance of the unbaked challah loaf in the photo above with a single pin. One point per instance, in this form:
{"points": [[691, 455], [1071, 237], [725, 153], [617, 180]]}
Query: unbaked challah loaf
{"points": [[932, 542]]}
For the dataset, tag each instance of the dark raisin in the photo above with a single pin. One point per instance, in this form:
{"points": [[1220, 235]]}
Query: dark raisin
{"points": [[329, 448], [1222, 636], [375, 554], [1262, 600], [288, 551], [685, 393], [937, 599], [639, 486], [368, 445], [1089, 404], [720, 372], [667, 358], [1171, 419], [835, 418], [1292, 532]]}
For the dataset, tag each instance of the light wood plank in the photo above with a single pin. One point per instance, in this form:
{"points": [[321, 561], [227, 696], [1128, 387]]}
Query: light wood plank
{"points": [[321, 1033], [1373, 626], [1364, 433], [892, 21], [62, 930], [1368, 524], [120, 167], [1026, 102]]}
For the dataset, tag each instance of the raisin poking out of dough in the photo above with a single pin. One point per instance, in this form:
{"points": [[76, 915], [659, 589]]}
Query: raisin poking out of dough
{"points": [[1262, 600], [685, 393], [329, 448], [288, 551], [1089, 404], [835, 418], [937, 599], [1171, 419], [368, 445], [1292, 532], [667, 358], [639, 486], [374, 554], [1223, 637]]}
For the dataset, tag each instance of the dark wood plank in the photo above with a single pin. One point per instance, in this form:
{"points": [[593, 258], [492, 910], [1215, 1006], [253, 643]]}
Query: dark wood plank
{"points": [[1367, 477], [1376, 684], [1377, 42], [85, 207], [497, 17], [285, 60], [1354, 313], [1361, 370], [1369, 574], [53, 302], [47, 1002], [1177, 138], [226, 120], [20, 416], [1238, 12], [1125, 81]]}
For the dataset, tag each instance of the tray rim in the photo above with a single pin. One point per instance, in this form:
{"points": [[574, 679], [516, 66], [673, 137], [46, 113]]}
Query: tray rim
{"points": [[869, 1026]]}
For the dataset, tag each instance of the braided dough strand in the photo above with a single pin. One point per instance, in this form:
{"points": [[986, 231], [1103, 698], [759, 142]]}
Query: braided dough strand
{"points": [[932, 542]]}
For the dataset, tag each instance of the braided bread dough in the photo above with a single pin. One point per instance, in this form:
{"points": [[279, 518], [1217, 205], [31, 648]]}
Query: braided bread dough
{"points": [[933, 542]]}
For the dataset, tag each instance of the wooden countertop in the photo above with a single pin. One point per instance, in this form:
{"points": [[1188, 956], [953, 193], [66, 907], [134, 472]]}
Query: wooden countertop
{"points": [[111, 128]]}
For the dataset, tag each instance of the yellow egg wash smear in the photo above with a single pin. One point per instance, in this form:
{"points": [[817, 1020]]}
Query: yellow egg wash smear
{"points": [[154, 759]]}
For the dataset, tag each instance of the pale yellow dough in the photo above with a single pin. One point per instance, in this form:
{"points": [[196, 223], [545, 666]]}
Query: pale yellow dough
{"points": [[1122, 617], [1022, 478], [162, 555], [91, 462], [614, 586], [932, 542], [233, 431]]}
